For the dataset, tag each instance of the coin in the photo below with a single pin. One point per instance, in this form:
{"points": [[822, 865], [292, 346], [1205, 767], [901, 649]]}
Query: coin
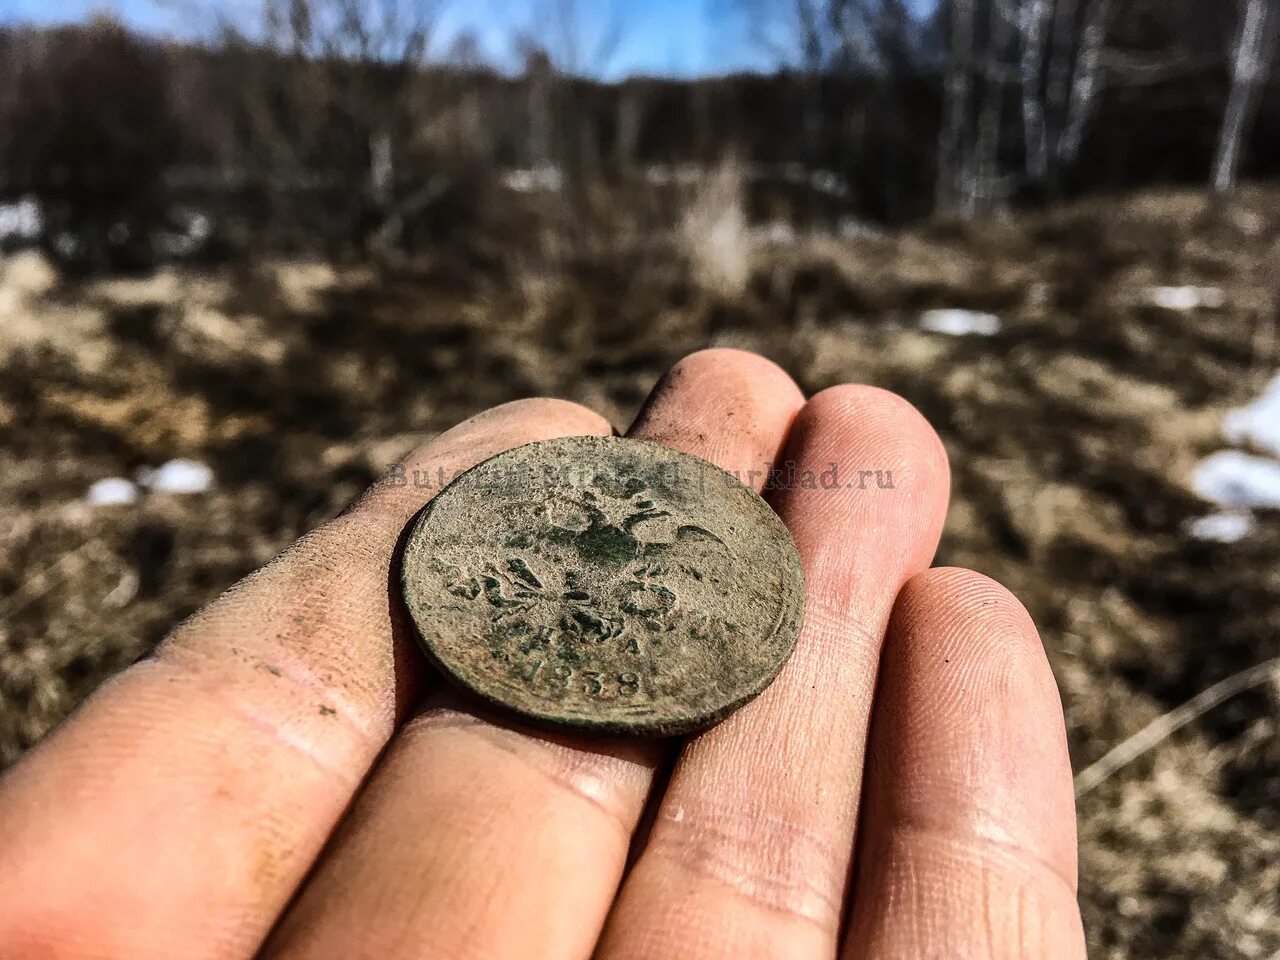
{"points": [[604, 584]]}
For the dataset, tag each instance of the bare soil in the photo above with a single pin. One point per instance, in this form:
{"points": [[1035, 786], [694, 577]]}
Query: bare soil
{"points": [[1072, 433]]}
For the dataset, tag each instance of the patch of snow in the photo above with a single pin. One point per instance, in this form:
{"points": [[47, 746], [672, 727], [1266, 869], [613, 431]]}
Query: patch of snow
{"points": [[177, 476], [544, 179], [959, 323], [1187, 298], [113, 491], [1227, 526], [1259, 422], [1230, 478], [21, 222]]}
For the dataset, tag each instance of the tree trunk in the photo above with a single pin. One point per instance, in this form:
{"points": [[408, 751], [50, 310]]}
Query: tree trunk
{"points": [[1248, 73], [951, 166], [986, 164], [1084, 87], [1033, 24], [381, 168], [1061, 57]]}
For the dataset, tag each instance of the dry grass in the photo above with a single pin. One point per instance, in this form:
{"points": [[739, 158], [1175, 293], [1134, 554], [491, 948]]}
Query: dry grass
{"points": [[714, 235], [1072, 434]]}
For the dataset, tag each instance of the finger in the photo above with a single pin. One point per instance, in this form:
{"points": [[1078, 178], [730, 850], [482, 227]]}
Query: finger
{"points": [[477, 839], [968, 844], [750, 850], [176, 812]]}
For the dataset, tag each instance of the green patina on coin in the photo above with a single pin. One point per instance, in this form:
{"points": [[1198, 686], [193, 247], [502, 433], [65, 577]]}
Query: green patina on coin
{"points": [[604, 584]]}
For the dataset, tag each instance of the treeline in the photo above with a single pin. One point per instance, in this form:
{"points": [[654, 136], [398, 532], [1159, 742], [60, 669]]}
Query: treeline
{"points": [[335, 132]]}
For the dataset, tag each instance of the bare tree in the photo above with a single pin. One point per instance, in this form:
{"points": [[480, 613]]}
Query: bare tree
{"points": [[815, 50], [386, 42], [812, 39], [564, 43], [88, 129], [1061, 68], [1254, 45], [1062, 63], [555, 48], [984, 168], [1084, 84], [977, 87], [957, 97], [1033, 26], [334, 99], [794, 34], [1055, 48], [575, 43]]}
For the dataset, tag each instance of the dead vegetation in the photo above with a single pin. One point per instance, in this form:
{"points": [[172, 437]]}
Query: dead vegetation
{"points": [[1072, 432]]}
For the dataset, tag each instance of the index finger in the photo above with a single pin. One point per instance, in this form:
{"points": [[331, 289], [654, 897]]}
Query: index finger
{"points": [[175, 813]]}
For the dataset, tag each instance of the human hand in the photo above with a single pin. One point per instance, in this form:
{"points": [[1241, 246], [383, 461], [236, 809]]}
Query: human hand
{"points": [[284, 771]]}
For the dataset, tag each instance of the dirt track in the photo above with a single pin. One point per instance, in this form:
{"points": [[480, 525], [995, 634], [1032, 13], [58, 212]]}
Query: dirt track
{"points": [[1072, 433]]}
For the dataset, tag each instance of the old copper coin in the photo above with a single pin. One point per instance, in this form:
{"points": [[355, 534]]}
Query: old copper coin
{"points": [[604, 584]]}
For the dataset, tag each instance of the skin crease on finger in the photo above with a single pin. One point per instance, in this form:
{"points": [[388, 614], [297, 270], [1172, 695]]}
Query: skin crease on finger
{"points": [[175, 813], [519, 838]]}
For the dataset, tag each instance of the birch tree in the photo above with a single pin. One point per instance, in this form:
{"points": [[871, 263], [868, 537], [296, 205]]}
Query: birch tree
{"points": [[1254, 46], [1057, 90], [1033, 27], [1084, 83], [1063, 42]]}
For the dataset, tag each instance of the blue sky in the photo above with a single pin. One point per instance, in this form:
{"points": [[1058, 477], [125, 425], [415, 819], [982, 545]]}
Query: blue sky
{"points": [[666, 37]]}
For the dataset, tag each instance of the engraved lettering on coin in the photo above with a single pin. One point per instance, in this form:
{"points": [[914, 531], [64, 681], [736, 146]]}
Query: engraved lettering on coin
{"points": [[604, 584]]}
